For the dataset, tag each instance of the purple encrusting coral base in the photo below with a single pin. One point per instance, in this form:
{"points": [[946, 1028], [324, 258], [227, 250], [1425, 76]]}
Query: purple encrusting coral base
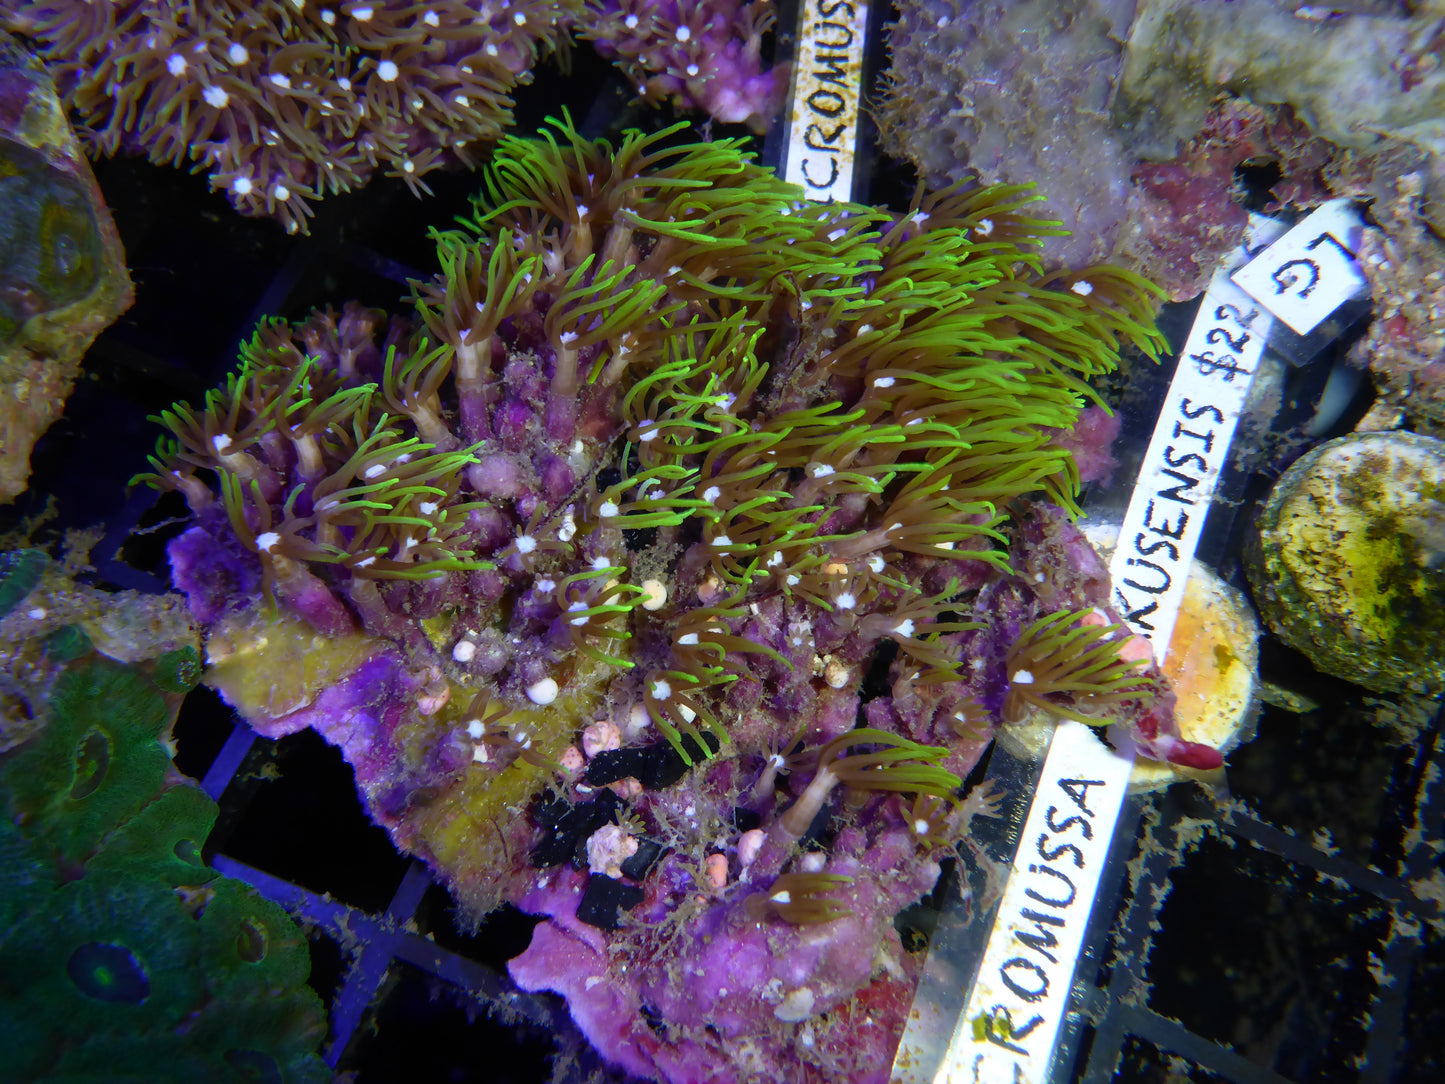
{"points": [[718, 984], [729, 988], [706, 54]]}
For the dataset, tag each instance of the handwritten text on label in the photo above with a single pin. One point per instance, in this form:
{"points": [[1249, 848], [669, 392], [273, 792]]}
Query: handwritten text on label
{"points": [[1310, 271], [1181, 469], [823, 124], [1009, 1028]]}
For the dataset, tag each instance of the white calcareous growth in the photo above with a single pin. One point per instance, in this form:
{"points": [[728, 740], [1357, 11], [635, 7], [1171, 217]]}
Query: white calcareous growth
{"points": [[542, 692], [608, 848]]}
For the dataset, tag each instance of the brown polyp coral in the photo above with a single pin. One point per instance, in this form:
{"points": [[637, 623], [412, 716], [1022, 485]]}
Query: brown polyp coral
{"points": [[284, 103]]}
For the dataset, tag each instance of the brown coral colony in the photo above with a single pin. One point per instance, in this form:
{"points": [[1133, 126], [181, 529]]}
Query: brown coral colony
{"points": [[284, 103]]}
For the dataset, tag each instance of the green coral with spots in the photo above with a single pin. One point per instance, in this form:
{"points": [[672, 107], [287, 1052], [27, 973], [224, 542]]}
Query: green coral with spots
{"points": [[123, 957]]}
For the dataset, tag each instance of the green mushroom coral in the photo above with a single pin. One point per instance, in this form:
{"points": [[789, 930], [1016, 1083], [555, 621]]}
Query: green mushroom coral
{"points": [[123, 957]]}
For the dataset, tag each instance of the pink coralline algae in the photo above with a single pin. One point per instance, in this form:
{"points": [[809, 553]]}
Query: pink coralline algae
{"points": [[282, 104], [1137, 116], [665, 572], [1185, 215], [704, 54]]}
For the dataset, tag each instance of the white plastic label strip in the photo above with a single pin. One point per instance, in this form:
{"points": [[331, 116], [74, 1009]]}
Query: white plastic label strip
{"points": [[1010, 1026], [1180, 471], [1008, 1032], [823, 111], [1310, 271]]}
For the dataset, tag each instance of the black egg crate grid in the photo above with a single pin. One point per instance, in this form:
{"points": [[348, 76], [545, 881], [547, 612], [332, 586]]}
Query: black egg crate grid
{"points": [[1279, 941]]}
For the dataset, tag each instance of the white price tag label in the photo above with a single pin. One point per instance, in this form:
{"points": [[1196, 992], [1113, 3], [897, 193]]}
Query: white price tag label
{"points": [[823, 113], [1310, 271], [1180, 471], [1007, 1032]]}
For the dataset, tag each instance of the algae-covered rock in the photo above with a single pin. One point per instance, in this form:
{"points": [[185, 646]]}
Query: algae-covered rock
{"points": [[1404, 346], [1018, 91], [1348, 564], [49, 618], [62, 271], [1358, 80]]}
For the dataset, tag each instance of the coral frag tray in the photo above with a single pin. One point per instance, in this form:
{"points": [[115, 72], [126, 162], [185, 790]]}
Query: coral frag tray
{"points": [[662, 567]]}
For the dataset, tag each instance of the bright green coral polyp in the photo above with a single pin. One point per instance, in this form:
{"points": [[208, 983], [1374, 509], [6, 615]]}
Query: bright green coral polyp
{"points": [[810, 405]]}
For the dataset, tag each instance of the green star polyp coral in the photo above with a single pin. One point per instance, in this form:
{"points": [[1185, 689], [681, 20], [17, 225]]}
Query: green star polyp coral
{"points": [[666, 461]]}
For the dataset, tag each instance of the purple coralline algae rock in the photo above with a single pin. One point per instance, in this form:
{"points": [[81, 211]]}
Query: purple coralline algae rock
{"points": [[701, 55], [665, 574]]}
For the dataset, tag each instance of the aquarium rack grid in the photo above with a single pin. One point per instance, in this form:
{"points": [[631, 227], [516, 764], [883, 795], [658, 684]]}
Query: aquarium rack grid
{"points": [[1122, 1035]]}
